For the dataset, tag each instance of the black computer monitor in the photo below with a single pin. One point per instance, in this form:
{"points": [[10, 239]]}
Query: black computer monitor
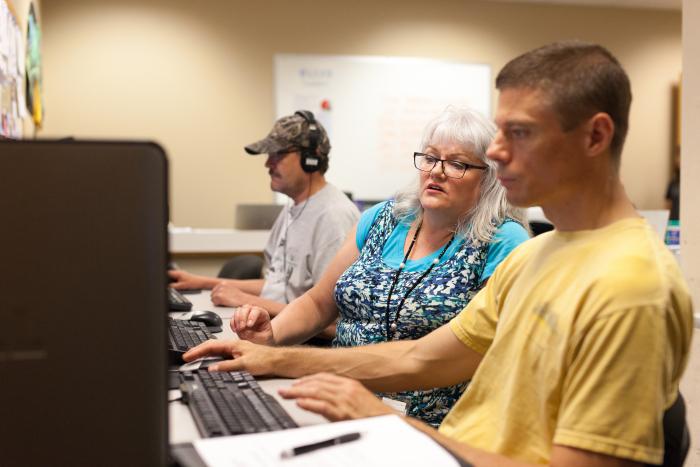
{"points": [[83, 251]]}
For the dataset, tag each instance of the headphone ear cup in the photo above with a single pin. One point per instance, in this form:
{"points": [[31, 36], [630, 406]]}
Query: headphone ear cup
{"points": [[310, 163]]}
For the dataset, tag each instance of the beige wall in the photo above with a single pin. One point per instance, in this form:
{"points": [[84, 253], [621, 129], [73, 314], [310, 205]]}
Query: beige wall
{"points": [[21, 8], [197, 76], [690, 221], [690, 163]]}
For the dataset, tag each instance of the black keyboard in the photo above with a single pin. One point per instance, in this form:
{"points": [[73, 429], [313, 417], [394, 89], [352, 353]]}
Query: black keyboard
{"points": [[177, 301], [183, 335], [231, 403]]}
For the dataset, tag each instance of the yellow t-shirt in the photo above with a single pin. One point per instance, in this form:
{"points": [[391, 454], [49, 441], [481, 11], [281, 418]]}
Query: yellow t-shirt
{"points": [[585, 336]]}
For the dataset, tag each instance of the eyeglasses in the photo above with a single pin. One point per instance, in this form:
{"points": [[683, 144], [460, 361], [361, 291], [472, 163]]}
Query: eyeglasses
{"points": [[451, 169]]}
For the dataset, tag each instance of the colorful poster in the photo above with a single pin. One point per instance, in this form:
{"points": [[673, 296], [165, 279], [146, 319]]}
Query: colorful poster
{"points": [[35, 104], [11, 74]]}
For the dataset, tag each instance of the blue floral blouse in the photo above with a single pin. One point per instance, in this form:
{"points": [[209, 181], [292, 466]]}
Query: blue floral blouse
{"points": [[361, 295]]}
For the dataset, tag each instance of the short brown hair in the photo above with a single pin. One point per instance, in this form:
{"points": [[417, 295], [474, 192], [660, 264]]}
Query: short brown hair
{"points": [[581, 79]]}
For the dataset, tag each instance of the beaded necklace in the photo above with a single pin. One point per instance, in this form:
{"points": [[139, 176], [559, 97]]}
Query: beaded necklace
{"points": [[392, 326]]}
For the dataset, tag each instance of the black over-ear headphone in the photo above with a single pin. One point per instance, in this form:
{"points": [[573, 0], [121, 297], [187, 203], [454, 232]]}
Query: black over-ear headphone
{"points": [[310, 161]]}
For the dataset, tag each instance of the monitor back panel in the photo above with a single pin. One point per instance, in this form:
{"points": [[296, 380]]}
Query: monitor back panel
{"points": [[256, 216], [83, 249]]}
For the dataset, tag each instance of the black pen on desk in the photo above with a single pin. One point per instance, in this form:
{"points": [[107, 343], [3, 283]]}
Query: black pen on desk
{"points": [[288, 453]]}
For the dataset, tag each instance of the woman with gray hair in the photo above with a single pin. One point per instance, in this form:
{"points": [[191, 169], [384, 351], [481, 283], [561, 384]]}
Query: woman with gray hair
{"points": [[411, 264]]}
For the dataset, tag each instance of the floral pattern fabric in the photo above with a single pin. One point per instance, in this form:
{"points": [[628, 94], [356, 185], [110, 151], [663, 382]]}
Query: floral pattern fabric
{"points": [[362, 291]]}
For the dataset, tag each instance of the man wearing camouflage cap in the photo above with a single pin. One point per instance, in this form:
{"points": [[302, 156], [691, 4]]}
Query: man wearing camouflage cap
{"points": [[306, 234]]}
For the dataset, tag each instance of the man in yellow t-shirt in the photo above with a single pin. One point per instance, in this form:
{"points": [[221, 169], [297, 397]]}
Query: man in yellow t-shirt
{"points": [[577, 343], [583, 341]]}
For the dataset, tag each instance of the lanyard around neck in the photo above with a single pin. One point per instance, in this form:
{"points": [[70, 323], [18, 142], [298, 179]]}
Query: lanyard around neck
{"points": [[392, 326]]}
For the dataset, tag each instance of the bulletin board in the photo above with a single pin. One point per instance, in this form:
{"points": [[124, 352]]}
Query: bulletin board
{"points": [[33, 84], [374, 110], [12, 101]]}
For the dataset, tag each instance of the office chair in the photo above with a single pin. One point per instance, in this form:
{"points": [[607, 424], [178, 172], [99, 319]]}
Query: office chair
{"points": [[242, 267], [676, 434], [538, 227]]}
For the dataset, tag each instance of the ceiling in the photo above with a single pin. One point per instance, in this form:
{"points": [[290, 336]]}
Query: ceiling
{"points": [[658, 4]]}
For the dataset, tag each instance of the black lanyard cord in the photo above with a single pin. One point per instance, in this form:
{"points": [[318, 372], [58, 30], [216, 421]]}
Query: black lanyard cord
{"points": [[392, 326]]}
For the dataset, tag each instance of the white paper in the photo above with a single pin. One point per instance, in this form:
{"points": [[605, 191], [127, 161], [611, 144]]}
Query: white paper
{"points": [[384, 441], [21, 99], [12, 48], [20, 53], [398, 406], [4, 29], [173, 229]]}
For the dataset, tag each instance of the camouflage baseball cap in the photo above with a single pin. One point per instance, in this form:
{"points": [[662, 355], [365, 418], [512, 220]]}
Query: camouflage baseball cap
{"points": [[290, 132]]}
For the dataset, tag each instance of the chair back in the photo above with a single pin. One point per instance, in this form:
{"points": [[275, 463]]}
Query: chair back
{"points": [[676, 434]]}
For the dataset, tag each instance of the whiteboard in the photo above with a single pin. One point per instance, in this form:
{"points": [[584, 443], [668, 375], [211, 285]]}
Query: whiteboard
{"points": [[374, 110]]}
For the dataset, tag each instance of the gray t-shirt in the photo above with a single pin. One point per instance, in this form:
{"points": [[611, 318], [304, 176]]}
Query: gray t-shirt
{"points": [[303, 240]]}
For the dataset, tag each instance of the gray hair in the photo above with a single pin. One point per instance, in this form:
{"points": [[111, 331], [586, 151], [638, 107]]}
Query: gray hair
{"points": [[474, 132]]}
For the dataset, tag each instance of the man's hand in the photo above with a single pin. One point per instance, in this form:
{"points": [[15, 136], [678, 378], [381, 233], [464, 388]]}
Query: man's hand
{"points": [[227, 294], [335, 397], [252, 323], [256, 359], [185, 280]]}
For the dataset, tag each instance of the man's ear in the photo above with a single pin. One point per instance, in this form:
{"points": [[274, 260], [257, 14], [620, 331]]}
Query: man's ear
{"points": [[601, 129]]}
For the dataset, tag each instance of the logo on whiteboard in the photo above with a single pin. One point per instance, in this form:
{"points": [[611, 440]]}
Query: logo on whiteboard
{"points": [[315, 75]]}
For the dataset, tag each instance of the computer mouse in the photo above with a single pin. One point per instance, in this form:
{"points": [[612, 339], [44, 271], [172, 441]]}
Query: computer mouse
{"points": [[209, 318]]}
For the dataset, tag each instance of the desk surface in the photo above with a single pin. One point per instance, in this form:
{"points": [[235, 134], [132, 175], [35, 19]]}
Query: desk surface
{"points": [[186, 241], [182, 426]]}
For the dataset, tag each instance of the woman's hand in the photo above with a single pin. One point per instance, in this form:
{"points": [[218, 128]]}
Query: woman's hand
{"points": [[253, 323]]}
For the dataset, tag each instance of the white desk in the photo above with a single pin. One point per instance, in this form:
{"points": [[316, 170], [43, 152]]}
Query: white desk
{"points": [[182, 426], [204, 251], [186, 241]]}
